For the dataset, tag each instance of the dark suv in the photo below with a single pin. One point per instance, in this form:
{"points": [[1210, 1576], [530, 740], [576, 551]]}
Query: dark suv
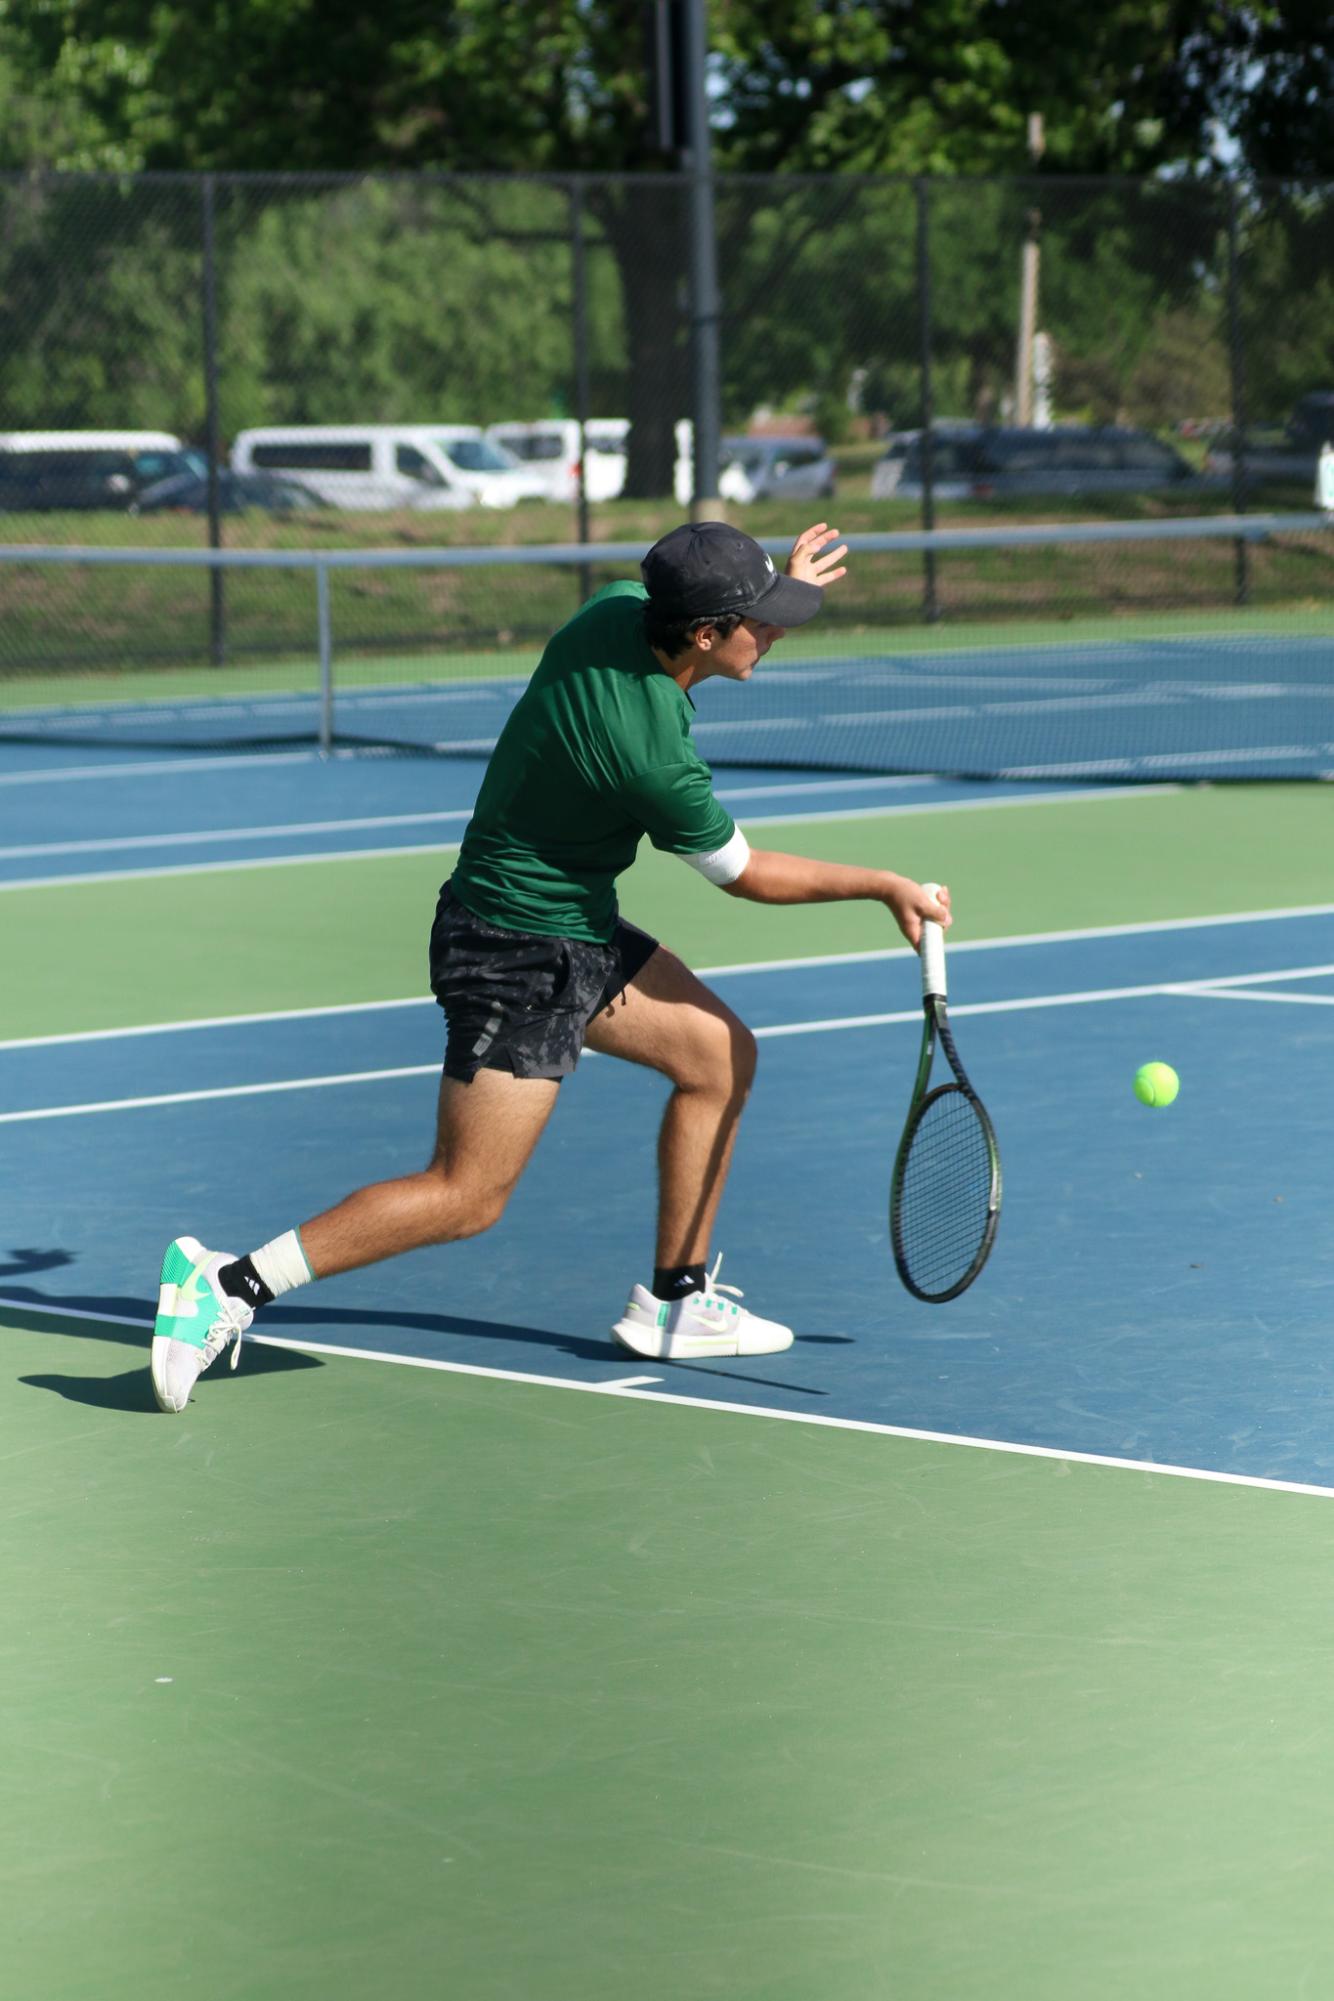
{"points": [[79, 477], [1000, 462], [1281, 457]]}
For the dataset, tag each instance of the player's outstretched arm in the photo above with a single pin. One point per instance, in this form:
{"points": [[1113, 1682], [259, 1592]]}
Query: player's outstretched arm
{"points": [[812, 560], [771, 877]]}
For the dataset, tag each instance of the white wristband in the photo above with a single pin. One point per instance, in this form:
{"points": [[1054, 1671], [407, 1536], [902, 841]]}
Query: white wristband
{"points": [[723, 865]]}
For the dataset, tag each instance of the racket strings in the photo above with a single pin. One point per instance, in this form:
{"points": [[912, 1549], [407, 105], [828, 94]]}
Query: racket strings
{"points": [[946, 1193]]}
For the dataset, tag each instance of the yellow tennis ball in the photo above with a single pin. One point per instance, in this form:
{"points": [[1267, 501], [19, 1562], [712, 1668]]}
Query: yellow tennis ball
{"points": [[1156, 1083]]}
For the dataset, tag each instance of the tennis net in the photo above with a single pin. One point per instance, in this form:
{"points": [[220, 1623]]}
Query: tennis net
{"points": [[1173, 649]]}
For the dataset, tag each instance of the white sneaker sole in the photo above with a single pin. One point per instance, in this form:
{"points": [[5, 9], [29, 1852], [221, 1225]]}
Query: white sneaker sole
{"points": [[172, 1394], [657, 1344]]}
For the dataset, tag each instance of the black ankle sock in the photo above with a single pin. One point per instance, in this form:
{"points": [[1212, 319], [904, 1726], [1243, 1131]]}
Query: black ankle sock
{"points": [[242, 1281], [672, 1281]]}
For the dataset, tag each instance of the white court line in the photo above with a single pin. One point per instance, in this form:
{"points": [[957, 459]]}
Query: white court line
{"points": [[1081, 795], [631, 1390], [230, 762], [828, 1026], [236, 760], [1294, 1000], [220, 1091], [216, 868], [815, 962], [289, 830], [114, 843]]}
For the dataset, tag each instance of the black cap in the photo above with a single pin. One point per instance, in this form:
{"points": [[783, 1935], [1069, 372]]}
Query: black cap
{"points": [[708, 569]]}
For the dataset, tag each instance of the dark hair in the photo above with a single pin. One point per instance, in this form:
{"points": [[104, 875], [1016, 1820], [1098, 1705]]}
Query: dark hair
{"points": [[671, 635]]}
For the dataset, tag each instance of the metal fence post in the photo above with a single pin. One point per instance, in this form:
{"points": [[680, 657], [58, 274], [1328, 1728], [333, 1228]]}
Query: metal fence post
{"points": [[930, 601], [704, 304], [217, 621], [325, 624], [579, 285], [1237, 364]]}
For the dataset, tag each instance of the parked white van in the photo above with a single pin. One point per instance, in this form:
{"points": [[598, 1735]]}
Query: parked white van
{"points": [[490, 473], [356, 465], [549, 448]]}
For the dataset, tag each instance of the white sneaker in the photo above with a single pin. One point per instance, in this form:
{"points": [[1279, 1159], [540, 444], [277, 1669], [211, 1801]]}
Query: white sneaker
{"points": [[195, 1321], [701, 1324]]}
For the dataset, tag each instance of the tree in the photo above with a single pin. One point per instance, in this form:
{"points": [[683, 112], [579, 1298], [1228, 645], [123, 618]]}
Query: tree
{"points": [[559, 86]]}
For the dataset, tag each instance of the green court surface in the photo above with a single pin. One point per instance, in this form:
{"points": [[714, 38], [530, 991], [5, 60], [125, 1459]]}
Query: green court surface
{"points": [[368, 1680], [354, 928], [364, 1679]]}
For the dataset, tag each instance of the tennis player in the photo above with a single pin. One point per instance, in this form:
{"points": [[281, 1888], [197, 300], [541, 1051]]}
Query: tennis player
{"points": [[532, 962]]}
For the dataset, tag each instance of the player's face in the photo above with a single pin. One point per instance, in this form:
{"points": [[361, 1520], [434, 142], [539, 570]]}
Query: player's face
{"points": [[737, 656]]}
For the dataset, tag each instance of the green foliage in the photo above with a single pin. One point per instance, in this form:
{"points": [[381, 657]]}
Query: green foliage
{"points": [[382, 302], [413, 297]]}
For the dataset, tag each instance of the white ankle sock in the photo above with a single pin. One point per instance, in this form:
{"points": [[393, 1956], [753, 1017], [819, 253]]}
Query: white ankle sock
{"points": [[282, 1264]]}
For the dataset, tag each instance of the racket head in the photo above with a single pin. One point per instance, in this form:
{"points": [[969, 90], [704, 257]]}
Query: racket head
{"points": [[945, 1194]]}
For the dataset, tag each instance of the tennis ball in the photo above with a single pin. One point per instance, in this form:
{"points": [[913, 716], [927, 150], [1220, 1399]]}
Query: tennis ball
{"points": [[1156, 1083]]}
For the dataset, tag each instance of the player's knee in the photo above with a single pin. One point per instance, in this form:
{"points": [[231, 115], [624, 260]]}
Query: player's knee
{"points": [[727, 1056], [460, 1209], [745, 1056], [481, 1211]]}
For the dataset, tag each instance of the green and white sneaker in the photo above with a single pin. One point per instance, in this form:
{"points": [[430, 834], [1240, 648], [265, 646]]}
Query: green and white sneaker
{"points": [[700, 1325], [195, 1320]]}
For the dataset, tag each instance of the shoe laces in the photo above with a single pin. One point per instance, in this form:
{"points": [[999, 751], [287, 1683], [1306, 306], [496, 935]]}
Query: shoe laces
{"points": [[234, 1316], [712, 1285]]}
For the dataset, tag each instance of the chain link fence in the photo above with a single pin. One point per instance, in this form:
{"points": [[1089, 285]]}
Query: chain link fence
{"points": [[893, 354]]}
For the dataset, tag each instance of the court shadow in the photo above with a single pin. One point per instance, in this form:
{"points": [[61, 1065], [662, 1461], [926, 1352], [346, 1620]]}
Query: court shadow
{"points": [[133, 1392], [309, 1317], [24, 1264], [129, 1320]]}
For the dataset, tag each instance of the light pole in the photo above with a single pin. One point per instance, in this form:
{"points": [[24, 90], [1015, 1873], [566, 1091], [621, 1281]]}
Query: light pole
{"points": [[1028, 288], [704, 304]]}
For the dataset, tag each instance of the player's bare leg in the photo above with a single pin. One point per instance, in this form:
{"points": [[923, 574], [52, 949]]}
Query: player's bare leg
{"points": [[485, 1135], [669, 1021]]}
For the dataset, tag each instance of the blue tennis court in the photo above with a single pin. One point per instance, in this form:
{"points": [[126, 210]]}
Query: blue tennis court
{"points": [[1130, 1309]]}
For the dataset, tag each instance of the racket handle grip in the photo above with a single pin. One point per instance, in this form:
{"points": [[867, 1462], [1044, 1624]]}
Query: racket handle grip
{"points": [[932, 951]]}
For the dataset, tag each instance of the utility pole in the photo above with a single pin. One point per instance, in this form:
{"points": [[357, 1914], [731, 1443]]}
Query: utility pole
{"points": [[1028, 287], [705, 374]]}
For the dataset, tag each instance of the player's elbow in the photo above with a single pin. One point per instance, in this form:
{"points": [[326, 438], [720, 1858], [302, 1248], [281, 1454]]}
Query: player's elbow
{"points": [[724, 867]]}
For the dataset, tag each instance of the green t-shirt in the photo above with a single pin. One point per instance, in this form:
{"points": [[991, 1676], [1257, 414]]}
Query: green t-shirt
{"points": [[596, 754]]}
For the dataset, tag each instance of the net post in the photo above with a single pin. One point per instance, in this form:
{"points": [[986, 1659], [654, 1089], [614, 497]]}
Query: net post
{"points": [[1241, 557], [930, 600], [579, 288], [325, 625]]}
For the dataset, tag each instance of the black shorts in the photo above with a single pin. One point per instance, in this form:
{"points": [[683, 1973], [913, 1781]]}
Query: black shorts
{"points": [[516, 1001]]}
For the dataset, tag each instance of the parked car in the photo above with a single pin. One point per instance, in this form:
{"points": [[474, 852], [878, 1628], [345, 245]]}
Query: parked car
{"points": [[1005, 462], [237, 491], [549, 449], [760, 468], [897, 474], [45, 470], [493, 476], [363, 465], [389, 465], [1283, 457]]}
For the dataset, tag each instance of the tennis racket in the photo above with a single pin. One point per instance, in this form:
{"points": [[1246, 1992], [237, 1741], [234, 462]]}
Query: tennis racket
{"points": [[945, 1195]]}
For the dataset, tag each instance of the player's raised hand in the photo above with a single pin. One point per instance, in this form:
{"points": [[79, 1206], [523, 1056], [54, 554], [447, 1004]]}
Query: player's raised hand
{"points": [[812, 559]]}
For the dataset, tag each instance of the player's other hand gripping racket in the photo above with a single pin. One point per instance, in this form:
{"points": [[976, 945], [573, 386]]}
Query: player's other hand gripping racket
{"points": [[945, 1195]]}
